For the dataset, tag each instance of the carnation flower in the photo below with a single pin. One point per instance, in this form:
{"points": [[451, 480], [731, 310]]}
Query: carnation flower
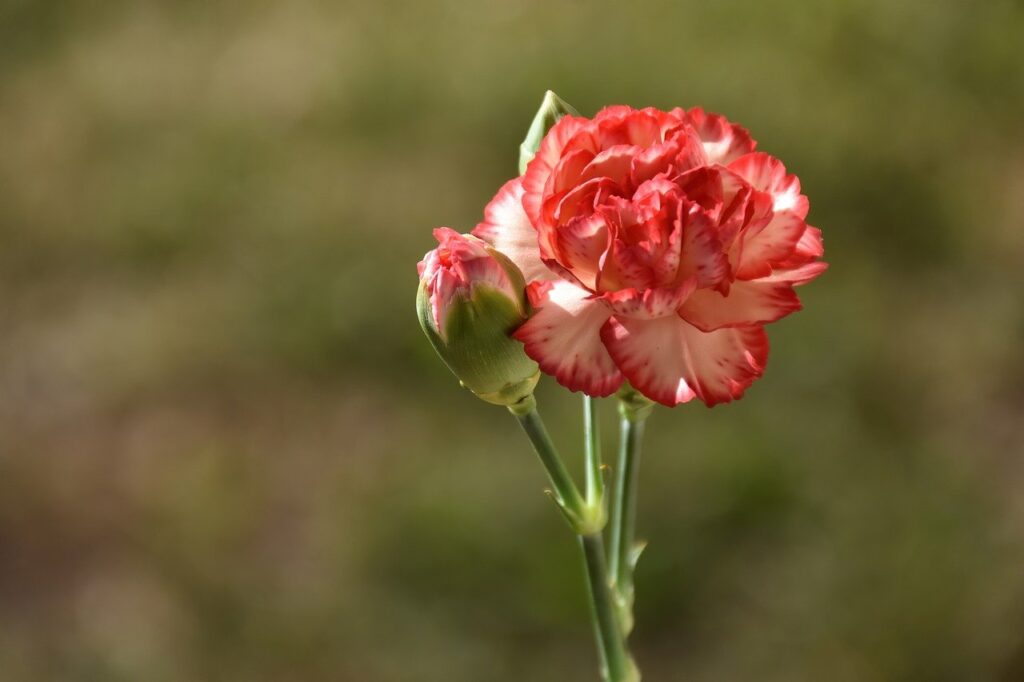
{"points": [[656, 246]]}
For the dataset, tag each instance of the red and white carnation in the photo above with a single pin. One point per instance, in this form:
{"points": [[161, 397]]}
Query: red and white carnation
{"points": [[656, 246]]}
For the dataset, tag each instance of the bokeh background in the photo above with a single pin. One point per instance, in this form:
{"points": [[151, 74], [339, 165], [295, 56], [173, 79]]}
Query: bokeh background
{"points": [[227, 453]]}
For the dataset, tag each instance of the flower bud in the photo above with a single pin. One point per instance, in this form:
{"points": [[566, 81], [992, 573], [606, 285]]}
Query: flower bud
{"points": [[551, 110], [470, 300]]}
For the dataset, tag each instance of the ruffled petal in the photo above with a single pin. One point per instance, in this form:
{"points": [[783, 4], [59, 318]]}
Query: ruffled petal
{"points": [[809, 248], [643, 128], [701, 255], [742, 206], [652, 161], [754, 302], [624, 267], [539, 169], [650, 303], [581, 245], [672, 362], [564, 337], [617, 125], [801, 274], [691, 151], [765, 173], [704, 186], [772, 244], [559, 209], [723, 140], [811, 244], [507, 229], [614, 163], [568, 171]]}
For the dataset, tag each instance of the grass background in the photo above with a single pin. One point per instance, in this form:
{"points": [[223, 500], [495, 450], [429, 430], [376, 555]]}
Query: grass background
{"points": [[227, 453]]}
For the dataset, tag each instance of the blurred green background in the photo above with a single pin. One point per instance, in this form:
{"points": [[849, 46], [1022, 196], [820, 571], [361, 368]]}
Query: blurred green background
{"points": [[227, 453]]}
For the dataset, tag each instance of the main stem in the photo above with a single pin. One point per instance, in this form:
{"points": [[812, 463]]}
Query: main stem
{"points": [[592, 452], [586, 522], [616, 663], [632, 418]]}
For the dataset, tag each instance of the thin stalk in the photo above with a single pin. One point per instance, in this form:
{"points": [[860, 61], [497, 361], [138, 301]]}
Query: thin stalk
{"points": [[623, 547], [592, 452], [616, 663], [566, 493], [587, 523]]}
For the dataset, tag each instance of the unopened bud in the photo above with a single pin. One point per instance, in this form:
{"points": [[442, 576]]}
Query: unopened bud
{"points": [[470, 300]]}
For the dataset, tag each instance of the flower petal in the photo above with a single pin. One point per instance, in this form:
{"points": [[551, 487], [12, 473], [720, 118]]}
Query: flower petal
{"points": [[614, 163], [581, 245], [507, 229], [559, 209], [671, 361], [810, 244], [564, 337], [624, 125], [723, 140], [765, 173], [650, 303], [568, 171], [701, 254], [548, 156], [802, 274], [652, 161], [772, 244], [753, 302], [808, 249]]}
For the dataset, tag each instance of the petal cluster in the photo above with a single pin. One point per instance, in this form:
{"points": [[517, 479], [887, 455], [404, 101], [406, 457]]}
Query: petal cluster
{"points": [[656, 246]]}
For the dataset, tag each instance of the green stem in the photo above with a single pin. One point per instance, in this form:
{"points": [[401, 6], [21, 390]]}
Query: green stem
{"points": [[587, 522], [616, 663], [633, 415], [592, 452], [566, 493]]}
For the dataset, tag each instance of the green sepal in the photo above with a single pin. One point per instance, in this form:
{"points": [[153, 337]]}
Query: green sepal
{"points": [[634, 405], [552, 109]]}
